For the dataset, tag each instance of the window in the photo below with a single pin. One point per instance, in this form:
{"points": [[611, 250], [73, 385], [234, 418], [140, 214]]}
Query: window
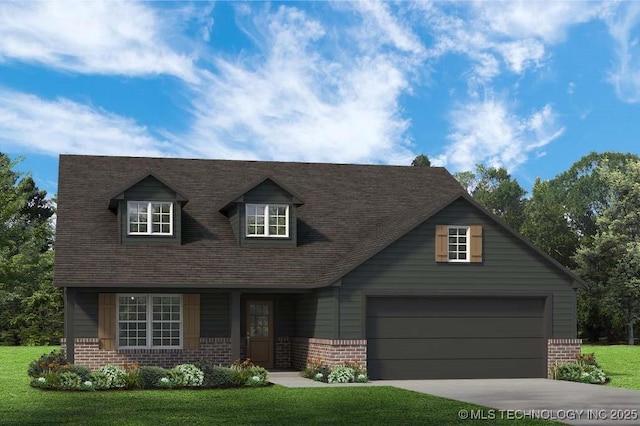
{"points": [[149, 321], [267, 220], [150, 218], [458, 244]]}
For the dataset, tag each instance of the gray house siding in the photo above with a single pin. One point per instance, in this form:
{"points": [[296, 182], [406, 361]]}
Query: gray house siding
{"points": [[408, 266], [316, 314], [214, 315]]}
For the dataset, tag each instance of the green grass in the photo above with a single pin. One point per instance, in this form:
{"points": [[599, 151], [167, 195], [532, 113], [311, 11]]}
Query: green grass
{"points": [[275, 405], [620, 362]]}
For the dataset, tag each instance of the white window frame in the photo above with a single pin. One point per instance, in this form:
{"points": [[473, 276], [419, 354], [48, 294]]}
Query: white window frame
{"points": [[149, 217], [467, 252], [149, 320], [266, 221]]}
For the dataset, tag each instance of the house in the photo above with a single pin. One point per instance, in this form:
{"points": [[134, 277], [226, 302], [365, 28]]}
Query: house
{"points": [[165, 261]]}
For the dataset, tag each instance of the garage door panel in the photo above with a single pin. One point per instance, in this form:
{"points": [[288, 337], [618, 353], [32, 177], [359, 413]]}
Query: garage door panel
{"points": [[458, 307], [455, 337], [434, 349], [384, 328], [455, 369]]}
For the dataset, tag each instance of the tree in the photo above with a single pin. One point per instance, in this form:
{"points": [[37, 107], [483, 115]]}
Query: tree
{"points": [[30, 307], [421, 161], [500, 194], [611, 262], [466, 179]]}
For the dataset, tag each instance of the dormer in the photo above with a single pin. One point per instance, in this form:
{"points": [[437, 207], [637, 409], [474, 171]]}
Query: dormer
{"points": [[149, 212], [265, 214]]}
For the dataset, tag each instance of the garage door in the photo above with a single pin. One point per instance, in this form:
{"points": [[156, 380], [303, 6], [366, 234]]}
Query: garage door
{"points": [[455, 337]]}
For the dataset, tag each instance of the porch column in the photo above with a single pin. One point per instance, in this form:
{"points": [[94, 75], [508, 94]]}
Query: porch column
{"points": [[235, 325], [69, 305]]}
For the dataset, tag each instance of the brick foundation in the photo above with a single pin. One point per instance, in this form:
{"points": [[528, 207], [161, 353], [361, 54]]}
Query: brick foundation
{"points": [[561, 350], [332, 352], [213, 350], [283, 353]]}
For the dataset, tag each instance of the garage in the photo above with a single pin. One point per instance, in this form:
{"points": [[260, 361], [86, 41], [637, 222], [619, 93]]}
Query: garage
{"points": [[455, 337]]}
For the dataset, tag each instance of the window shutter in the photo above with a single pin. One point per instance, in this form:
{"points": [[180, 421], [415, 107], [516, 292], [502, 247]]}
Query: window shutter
{"points": [[442, 235], [191, 321], [476, 243], [107, 321]]}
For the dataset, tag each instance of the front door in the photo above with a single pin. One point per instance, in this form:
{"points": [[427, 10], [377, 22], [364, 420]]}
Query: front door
{"points": [[260, 332]]}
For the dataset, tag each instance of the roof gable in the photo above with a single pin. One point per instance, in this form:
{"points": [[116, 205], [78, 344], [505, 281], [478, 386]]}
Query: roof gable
{"points": [[121, 193], [265, 181]]}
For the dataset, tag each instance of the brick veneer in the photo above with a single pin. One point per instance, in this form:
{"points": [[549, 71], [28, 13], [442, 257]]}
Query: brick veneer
{"points": [[332, 352], [561, 350], [283, 353], [213, 350]]}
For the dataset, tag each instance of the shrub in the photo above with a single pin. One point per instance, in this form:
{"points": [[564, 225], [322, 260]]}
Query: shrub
{"points": [[87, 385], [316, 370], [241, 371], [81, 370], [150, 376], [361, 378], [100, 380], [50, 363], [258, 376], [115, 376], [341, 374], [358, 370], [165, 382], [177, 378], [193, 376], [587, 359], [577, 372], [218, 377], [68, 380], [131, 376], [40, 382]]}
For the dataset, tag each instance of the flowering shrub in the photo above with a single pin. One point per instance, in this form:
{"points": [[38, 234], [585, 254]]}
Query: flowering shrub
{"points": [[50, 363], [115, 376], [69, 381], [192, 375], [349, 372], [316, 369], [130, 376], [341, 374], [585, 370]]}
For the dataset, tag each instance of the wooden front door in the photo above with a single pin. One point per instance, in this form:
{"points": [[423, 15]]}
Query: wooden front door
{"points": [[260, 332]]}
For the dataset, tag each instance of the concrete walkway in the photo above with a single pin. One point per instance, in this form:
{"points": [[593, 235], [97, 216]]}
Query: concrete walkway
{"points": [[567, 402]]}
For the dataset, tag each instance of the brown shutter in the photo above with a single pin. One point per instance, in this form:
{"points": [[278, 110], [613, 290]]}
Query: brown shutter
{"points": [[442, 237], [476, 243], [191, 321], [107, 321]]}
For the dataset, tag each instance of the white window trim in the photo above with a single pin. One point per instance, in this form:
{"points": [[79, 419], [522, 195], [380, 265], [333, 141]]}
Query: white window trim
{"points": [[149, 344], [150, 218], [266, 221], [467, 251]]}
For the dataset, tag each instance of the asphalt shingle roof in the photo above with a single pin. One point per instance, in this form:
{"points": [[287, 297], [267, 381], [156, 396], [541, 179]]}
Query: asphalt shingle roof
{"points": [[350, 213]]}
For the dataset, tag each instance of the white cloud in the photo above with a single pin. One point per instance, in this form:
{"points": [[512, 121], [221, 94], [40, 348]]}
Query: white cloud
{"points": [[63, 126], [304, 96], [488, 132], [547, 21], [624, 27], [93, 37]]}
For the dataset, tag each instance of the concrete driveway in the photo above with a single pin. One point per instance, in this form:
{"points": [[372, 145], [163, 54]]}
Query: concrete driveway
{"points": [[567, 402]]}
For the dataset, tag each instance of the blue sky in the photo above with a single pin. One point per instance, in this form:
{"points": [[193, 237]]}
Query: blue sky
{"points": [[531, 86]]}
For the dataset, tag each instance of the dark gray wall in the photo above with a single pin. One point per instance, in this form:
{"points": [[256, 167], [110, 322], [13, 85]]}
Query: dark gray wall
{"points": [[316, 314], [214, 315], [150, 189], [408, 265]]}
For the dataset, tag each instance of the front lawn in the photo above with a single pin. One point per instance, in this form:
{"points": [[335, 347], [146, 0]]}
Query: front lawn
{"points": [[276, 405], [620, 362]]}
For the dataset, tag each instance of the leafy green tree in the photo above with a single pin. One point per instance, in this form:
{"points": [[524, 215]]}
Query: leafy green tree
{"points": [[611, 262], [500, 194], [421, 161], [466, 179], [30, 306]]}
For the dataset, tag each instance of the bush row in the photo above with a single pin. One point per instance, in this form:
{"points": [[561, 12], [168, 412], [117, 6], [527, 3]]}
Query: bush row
{"points": [[585, 370], [52, 371], [349, 372]]}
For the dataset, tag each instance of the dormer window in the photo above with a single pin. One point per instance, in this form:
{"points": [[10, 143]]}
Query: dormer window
{"points": [[150, 218], [267, 220]]}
